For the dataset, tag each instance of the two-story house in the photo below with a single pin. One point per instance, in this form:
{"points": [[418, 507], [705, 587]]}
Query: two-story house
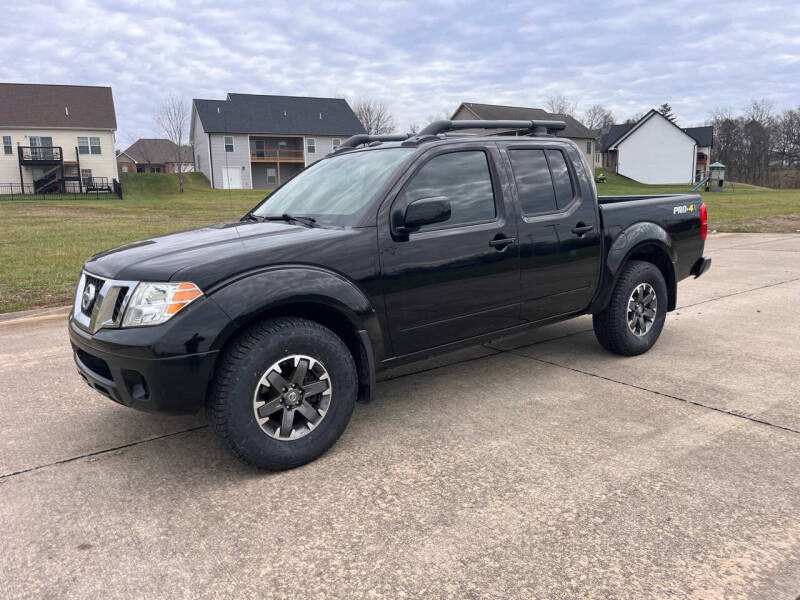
{"points": [[655, 150], [257, 141], [56, 138], [575, 130]]}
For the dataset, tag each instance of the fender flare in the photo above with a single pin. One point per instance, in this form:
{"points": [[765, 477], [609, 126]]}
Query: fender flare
{"points": [[248, 296], [628, 242]]}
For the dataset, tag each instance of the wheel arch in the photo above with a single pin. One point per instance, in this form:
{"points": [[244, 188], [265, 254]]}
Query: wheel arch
{"points": [[309, 293], [648, 242]]}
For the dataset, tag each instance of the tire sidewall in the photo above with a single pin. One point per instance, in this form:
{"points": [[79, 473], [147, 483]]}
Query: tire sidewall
{"points": [[243, 428]]}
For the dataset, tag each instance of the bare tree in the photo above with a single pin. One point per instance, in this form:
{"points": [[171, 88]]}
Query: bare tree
{"points": [[634, 119], [374, 116], [173, 119], [561, 105], [597, 117]]}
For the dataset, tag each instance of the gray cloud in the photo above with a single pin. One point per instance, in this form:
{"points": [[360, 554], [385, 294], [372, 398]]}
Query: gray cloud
{"points": [[420, 58]]}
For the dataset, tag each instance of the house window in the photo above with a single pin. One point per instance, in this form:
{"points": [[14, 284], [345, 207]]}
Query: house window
{"points": [[311, 145], [589, 148], [7, 144], [89, 145], [272, 176], [86, 177], [155, 169], [598, 157], [336, 143], [124, 168], [228, 143]]}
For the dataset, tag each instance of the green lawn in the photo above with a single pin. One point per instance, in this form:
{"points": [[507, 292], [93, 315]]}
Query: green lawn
{"points": [[43, 243], [743, 208]]}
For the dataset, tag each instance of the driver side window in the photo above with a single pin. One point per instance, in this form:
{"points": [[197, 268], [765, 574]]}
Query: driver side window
{"points": [[464, 179]]}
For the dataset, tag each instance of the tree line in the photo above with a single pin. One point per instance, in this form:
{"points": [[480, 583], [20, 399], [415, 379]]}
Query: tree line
{"points": [[759, 146]]}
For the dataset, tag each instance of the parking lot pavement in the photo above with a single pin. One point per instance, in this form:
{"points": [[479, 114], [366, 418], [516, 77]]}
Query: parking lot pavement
{"points": [[533, 466]]}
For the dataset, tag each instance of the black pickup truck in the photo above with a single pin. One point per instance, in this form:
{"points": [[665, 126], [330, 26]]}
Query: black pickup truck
{"points": [[392, 249]]}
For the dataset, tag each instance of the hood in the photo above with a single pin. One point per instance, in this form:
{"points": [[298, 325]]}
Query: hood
{"points": [[228, 244]]}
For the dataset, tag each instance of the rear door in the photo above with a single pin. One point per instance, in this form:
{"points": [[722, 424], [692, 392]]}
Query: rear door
{"points": [[460, 278], [560, 243]]}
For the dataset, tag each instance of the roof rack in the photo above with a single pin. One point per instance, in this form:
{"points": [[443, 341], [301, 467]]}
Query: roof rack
{"points": [[365, 138], [537, 127]]}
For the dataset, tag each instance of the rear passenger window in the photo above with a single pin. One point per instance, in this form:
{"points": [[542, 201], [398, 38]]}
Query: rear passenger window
{"points": [[561, 179], [464, 179], [536, 194]]}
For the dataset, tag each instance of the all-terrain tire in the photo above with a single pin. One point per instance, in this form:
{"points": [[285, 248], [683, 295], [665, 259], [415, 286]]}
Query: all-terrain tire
{"points": [[611, 326], [246, 360]]}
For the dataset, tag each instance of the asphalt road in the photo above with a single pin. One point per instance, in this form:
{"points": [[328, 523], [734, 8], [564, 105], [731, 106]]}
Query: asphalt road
{"points": [[537, 466]]}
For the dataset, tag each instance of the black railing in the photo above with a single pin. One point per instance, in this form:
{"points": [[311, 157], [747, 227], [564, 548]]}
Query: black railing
{"points": [[99, 187], [40, 153]]}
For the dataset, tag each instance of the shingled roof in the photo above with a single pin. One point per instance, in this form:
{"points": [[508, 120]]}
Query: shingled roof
{"points": [[609, 137], [704, 136], [157, 151], [281, 115], [67, 106], [492, 112]]}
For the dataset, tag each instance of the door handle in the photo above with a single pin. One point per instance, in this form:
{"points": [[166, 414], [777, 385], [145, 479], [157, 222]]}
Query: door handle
{"points": [[582, 229], [500, 243]]}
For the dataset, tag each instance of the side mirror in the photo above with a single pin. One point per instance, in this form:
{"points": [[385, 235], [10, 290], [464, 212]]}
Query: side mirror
{"points": [[425, 211]]}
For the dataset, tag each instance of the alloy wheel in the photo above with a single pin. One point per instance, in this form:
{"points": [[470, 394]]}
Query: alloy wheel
{"points": [[642, 309], [292, 397]]}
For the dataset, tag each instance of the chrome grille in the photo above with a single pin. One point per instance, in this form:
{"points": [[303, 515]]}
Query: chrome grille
{"points": [[96, 284], [105, 307]]}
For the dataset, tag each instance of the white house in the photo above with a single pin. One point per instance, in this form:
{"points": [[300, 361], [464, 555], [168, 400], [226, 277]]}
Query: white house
{"points": [[256, 141], [56, 138], [655, 150]]}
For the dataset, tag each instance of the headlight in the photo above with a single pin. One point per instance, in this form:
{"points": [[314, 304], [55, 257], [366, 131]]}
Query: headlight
{"points": [[154, 303]]}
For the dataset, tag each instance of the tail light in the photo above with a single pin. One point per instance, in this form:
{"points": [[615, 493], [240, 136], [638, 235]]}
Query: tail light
{"points": [[703, 222]]}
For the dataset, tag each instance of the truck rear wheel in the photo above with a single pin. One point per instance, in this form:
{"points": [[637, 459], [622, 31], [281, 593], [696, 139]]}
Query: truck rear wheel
{"points": [[283, 394], [635, 315]]}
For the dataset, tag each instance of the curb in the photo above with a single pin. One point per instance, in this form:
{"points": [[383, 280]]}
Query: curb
{"points": [[36, 314]]}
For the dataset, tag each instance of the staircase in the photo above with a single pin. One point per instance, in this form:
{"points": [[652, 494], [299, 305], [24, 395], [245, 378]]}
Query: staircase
{"points": [[50, 181]]}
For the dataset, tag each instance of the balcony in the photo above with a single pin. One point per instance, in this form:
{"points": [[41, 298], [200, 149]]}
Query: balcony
{"points": [[40, 155], [278, 155]]}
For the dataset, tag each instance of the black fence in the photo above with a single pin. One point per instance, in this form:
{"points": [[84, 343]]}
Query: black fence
{"points": [[93, 187]]}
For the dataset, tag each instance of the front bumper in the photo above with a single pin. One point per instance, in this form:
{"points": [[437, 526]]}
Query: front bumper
{"points": [[164, 368], [702, 265]]}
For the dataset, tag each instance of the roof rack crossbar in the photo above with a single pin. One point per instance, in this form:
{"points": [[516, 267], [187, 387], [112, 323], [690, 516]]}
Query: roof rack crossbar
{"points": [[365, 138], [539, 127]]}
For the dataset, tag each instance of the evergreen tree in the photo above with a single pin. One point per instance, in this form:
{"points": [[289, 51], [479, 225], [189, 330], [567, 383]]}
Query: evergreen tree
{"points": [[666, 110]]}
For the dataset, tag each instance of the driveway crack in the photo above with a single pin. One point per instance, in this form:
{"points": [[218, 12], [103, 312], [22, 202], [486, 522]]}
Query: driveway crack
{"points": [[63, 461], [731, 413]]}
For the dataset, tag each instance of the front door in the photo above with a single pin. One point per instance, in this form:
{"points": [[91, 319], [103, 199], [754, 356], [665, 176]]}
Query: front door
{"points": [[457, 279], [559, 231], [232, 178]]}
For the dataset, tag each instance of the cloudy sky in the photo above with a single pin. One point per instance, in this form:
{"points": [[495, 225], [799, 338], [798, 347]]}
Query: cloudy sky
{"points": [[421, 59]]}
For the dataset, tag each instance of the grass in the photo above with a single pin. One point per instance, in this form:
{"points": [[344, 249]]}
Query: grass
{"points": [[43, 243], [743, 208]]}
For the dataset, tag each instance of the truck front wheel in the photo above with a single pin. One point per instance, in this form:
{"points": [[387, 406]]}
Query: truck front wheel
{"points": [[634, 317], [283, 393]]}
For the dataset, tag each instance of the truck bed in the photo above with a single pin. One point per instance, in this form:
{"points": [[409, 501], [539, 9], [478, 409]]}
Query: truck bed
{"points": [[677, 214]]}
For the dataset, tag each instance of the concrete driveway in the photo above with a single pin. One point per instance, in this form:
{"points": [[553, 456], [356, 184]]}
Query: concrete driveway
{"points": [[537, 466]]}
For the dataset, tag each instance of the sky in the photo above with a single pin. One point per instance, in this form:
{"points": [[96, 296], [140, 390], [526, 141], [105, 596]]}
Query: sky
{"points": [[422, 59]]}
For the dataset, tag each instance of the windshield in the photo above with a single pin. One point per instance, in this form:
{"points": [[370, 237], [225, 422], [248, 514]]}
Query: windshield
{"points": [[335, 188]]}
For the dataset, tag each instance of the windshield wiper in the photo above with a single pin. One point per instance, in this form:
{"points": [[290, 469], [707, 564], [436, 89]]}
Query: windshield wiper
{"points": [[307, 221], [252, 218]]}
